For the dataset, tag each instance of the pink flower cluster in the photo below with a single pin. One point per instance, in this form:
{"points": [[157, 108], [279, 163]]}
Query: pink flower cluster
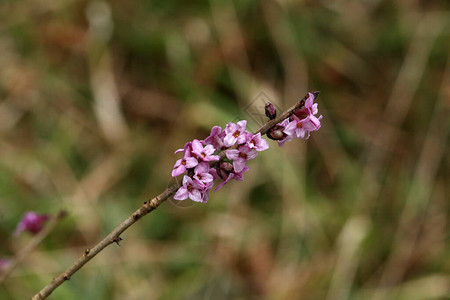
{"points": [[302, 121], [204, 166]]}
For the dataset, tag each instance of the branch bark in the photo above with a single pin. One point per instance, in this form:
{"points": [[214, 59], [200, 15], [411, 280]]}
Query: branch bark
{"points": [[147, 207]]}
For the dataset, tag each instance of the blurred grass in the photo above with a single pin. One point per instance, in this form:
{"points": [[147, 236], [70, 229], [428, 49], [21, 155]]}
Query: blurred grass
{"points": [[96, 96]]}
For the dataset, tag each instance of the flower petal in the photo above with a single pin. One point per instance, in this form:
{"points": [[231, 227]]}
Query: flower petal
{"points": [[242, 124], [230, 176], [209, 149], [252, 154], [263, 145], [309, 100], [191, 162], [239, 165], [195, 195], [290, 128], [232, 154], [201, 168], [197, 147], [181, 194], [186, 180], [229, 140], [178, 171]]}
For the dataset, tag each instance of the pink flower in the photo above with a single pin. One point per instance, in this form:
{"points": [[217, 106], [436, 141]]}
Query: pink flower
{"points": [[32, 222], [312, 107], [215, 138], [255, 141], [185, 163], [303, 121], [302, 128], [190, 189], [202, 174], [235, 133], [240, 156], [204, 153]]}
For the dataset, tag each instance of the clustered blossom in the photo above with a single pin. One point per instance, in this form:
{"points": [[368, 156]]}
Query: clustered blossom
{"points": [[203, 166], [31, 222], [201, 163], [300, 124]]}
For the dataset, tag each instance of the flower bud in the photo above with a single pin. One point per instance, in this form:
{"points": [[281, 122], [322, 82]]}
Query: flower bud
{"points": [[270, 110], [276, 133], [32, 222], [301, 113], [224, 170], [222, 174], [226, 166]]}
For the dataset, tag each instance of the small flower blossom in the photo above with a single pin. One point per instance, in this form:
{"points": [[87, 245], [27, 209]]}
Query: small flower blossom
{"points": [[32, 222], [240, 156], [190, 189], [215, 138], [303, 120], [184, 163], [235, 133], [204, 153], [302, 128], [309, 103], [312, 124], [202, 174], [255, 141], [298, 127]]}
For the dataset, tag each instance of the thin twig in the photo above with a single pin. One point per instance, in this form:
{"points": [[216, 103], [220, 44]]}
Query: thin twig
{"points": [[32, 244], [147, 207]]}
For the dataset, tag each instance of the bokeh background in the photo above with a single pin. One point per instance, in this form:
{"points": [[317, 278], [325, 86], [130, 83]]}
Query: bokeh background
{"points": [[96, 96]]}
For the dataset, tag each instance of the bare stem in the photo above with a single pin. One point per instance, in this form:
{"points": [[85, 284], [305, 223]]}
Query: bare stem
{"points": [[147, 207], [32, 244]]}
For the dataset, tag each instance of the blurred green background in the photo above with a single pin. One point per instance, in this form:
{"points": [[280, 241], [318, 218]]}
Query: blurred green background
{"points": [[96, 96]]}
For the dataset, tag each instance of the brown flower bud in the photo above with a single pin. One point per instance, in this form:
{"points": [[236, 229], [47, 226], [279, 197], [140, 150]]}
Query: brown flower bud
{"points": [[301, 113], [226, 166], [224, 170], [271, 111], [276, 133]]}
